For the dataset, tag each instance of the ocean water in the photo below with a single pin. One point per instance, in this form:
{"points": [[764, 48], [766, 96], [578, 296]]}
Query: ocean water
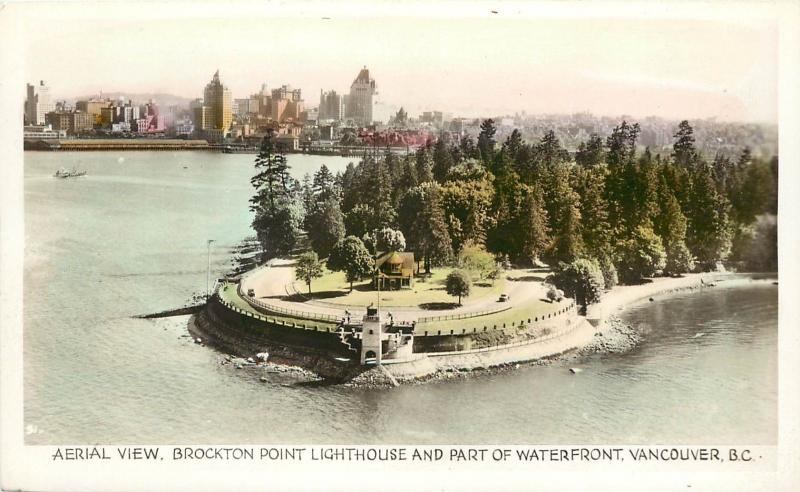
{"points": [[130, 238]]}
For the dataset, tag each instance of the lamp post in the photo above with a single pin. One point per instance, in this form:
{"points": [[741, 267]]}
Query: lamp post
{"points": [[208, 269]]}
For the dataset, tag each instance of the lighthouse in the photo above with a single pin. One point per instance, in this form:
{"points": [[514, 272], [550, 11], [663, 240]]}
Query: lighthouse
{"points": [[371, 334]]}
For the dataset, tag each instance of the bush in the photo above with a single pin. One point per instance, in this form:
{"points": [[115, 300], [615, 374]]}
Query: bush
{"points": [[582, 280], [609, 272], [555, 295], [679, 259]]}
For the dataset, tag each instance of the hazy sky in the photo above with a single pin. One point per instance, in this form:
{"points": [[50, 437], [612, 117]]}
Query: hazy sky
{"points": [[480, 64]]}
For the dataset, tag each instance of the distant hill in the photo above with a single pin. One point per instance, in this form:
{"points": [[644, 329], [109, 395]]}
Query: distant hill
{"points": [[160, 99]]}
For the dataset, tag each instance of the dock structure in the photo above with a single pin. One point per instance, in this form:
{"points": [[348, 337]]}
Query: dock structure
{"points": [[88, 144]]}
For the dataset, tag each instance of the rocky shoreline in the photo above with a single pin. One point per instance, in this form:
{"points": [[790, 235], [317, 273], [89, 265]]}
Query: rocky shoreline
{"points": [[612, 336]]}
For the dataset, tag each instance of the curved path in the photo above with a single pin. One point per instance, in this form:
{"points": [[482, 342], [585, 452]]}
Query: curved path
{"points": [[274, 281]]}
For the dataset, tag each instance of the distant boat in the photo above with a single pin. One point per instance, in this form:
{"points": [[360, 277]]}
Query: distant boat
{"points": [[63, 173]]}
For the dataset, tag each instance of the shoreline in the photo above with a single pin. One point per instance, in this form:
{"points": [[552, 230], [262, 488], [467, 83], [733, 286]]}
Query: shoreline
{"points": [[601, 331]]}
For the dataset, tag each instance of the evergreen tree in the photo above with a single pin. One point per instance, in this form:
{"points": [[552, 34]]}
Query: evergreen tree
{"points": [[533, 225], [325, 226], [670, 225], [513, 144], [486, 141], [684, 152], [550, 152], [708, 236], [590, 153], [423, 224], [596, 230], [442, 160], [275, 222], [563, 211], [424, 165], [323, 184]]}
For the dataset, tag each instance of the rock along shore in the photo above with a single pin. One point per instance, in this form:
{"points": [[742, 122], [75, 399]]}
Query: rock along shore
{"points": [[610, 335]]}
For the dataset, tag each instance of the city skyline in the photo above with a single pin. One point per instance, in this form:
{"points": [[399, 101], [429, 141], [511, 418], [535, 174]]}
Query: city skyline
{"points": [[724, 68]]}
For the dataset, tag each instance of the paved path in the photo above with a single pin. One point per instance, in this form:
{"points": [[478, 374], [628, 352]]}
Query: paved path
{"points": [[272, 283]]}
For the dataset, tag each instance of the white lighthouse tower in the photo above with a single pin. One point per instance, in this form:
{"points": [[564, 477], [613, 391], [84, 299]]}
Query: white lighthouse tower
{"points": [[371, 334]]}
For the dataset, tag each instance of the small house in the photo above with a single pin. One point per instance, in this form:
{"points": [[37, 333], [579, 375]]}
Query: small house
{"points": [[395, 270]]}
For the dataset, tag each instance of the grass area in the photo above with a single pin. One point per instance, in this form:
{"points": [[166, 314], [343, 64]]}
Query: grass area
{"points": [[425, 292], [531, 310]]}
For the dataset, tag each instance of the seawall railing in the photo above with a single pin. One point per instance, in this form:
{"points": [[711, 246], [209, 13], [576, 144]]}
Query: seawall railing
{"points": [[533, 341], [271, 308], [472, 314], [274, 320], [567, 310]]}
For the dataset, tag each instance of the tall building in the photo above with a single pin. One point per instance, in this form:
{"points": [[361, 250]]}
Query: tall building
{"points": [[286, 104], [216, 111], [331, 106], [93, 107], [359, 101], [38, 103]]}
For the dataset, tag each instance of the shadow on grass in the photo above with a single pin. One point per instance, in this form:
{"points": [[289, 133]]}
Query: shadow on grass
{"points": [[325, 294], [641, 281], [483, 284], [528, 278], [438, 306]]}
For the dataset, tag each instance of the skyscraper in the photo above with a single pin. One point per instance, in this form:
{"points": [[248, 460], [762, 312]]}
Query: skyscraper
{"points": [[331, 106], [217, 98], [359, 101], [38, 103]]}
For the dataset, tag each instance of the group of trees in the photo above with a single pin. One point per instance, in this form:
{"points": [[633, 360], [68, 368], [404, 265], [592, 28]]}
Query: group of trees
{"points": [[629, 213]]}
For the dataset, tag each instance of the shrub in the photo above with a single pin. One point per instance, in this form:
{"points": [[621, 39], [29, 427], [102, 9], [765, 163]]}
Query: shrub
{"points": [[582, 280], [609, 272], [555, 295]]}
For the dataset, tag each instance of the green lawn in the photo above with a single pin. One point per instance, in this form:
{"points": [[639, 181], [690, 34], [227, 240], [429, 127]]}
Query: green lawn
{"points": [[333, 288], [531, 310]]}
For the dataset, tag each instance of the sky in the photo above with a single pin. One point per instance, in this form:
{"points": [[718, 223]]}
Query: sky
{"points": [[719, 62]]}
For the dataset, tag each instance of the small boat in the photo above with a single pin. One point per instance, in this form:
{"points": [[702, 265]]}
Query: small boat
{"points": [[63, 173]]}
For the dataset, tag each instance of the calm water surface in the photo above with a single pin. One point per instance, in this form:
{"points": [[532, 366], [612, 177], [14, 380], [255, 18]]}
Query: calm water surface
{"points": [[129, 238]]}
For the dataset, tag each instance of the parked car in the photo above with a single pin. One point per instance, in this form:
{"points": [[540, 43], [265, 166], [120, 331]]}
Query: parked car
{"points": [[251, 293], [504, 298]]}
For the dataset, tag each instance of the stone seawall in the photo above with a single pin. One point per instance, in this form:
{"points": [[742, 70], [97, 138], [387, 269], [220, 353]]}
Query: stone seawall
{"points": [[240, 335]]}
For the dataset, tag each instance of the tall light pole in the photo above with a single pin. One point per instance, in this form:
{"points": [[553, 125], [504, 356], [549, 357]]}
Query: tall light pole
{"points": [[208, 270]]}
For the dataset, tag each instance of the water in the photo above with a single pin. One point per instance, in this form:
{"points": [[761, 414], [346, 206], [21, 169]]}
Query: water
{"points": [[130, 238]]}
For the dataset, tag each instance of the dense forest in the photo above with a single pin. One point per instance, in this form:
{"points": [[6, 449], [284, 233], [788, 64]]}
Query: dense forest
{"points": [[611, 212]]}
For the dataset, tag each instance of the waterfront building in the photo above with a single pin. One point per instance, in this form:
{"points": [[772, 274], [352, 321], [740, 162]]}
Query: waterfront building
{"points": [[38, 103], [122, 127], [70, 122], [359, 101], [202, 118], [42, 132], [331, 106], [216, 111], [184, 128], [288, 142], [151, 123]]}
